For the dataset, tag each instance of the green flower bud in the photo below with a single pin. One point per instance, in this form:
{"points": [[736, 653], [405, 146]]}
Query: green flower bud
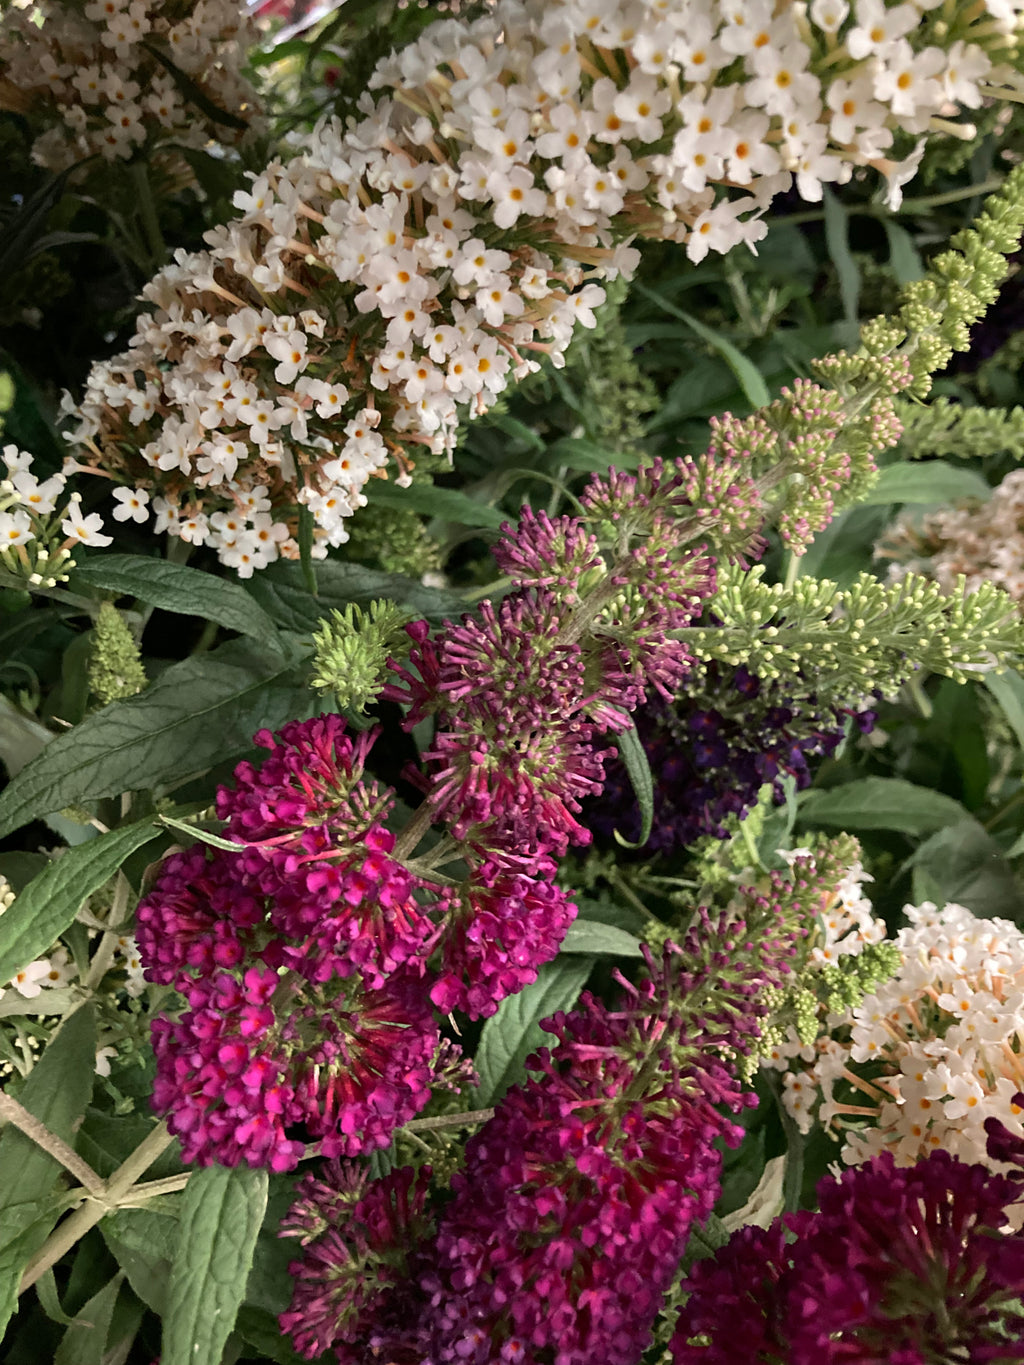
{"points": [[115, 670], [351, 651]]}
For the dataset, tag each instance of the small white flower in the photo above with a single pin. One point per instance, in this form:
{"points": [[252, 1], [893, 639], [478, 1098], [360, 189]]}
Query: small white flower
{"points": [[32, 978], [104, 1057], [133, 503], [85, 530]]}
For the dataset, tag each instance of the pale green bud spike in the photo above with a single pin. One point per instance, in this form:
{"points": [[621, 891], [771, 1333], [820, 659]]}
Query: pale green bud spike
{"points": [[943, 428], [115, 670], [845, 645]]}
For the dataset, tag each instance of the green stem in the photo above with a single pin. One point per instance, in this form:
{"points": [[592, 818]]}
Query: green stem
{"points": [[116, 1189], [793, 1177], [478, 594], [921, 204], [460, 1120], [409, 839], [13, 1112]]}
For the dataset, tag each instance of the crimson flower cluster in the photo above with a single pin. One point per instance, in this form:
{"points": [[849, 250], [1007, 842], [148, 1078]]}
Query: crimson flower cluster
{"points": [[904, 1265], [301, 958], [358, 1240], [575, 1201]]}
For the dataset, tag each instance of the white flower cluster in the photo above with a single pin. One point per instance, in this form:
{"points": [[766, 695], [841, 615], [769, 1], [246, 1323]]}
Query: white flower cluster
{"points": [[47, 973], [57, 970], [984, 542], [89, 71], [934, 1052], [407, 267], [848, 922], [30, 546]]}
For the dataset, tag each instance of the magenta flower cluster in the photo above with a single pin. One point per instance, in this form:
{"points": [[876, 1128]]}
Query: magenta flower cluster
{"points": [[313, 960], [315, 956]]}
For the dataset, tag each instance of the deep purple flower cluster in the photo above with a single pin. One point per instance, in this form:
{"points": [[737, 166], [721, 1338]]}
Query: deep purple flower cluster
{"points": [[710, 753], [359, 1240], [905, 1265], [307, 960]]}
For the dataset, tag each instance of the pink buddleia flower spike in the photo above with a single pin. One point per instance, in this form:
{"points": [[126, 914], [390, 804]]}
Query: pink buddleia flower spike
{"points": [[261, 1062], [501, 926], [514, 754]]}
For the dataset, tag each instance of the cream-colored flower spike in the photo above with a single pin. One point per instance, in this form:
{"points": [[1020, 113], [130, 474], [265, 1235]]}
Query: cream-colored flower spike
{"points": [[91, 76], [924, 1061], [394, 277]]}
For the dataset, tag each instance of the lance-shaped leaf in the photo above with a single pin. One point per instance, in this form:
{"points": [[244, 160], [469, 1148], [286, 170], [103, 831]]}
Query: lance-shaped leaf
{"points": [[56, 1092], [634, 757], [509, 1036], [175, 587], [50, 902], [197, 713], [221, 1214]]}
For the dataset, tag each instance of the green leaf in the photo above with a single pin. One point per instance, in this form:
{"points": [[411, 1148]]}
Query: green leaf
{"points": [[282, 593], [222, 1210], [194, 93], [19, 868], [56, 1092], [925, 481], [904, 257], [611, 912], [1008, 689], [50, 902], [511, 1035], [429, 500], [837, 240], [84, 1341], [579, 453], [750, 378], [21, 740], [634, 758], [46, 1288], [143, 1243], [881, 803], [517, 431], [202, 836], [269, 1285], [705, 1240], [260, 1329], [197, 713], [16, 1253], [963, 864], [22, 232], [177, 588], [590, 936], [306, 528]]}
